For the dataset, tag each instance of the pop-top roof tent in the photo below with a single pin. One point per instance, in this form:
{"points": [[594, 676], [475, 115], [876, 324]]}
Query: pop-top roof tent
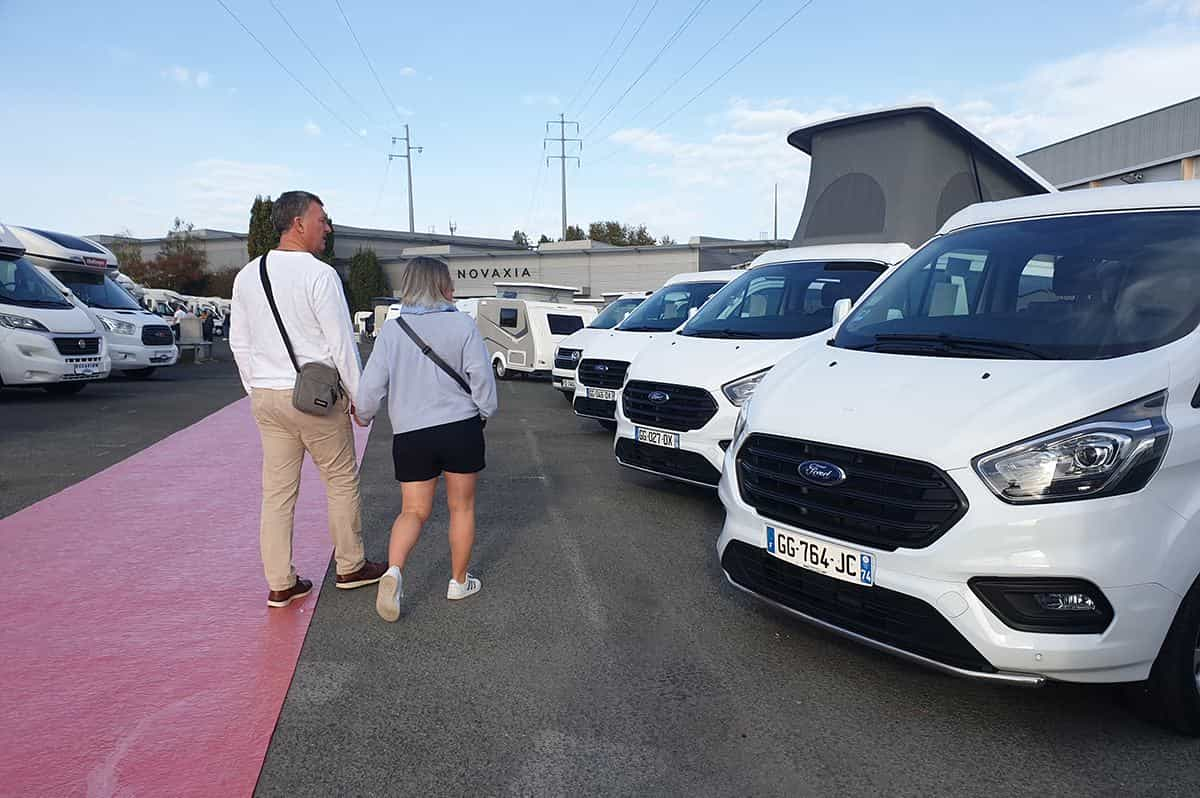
{"points": [[896, 174], [541, 292]]}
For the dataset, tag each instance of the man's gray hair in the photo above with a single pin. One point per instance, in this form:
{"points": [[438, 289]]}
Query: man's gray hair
{"points": [[425, 283], [290, 205]]}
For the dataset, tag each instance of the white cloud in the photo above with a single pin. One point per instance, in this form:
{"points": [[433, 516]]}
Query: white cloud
{"points": [[312, 128], [178, 74], [407, 72], [184, 76], [203, 79], [540, 99], [218, 193], [1187, 8]]}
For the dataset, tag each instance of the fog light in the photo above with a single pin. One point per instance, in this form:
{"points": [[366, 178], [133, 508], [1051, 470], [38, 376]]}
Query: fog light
{"points": [[1053, 605]]}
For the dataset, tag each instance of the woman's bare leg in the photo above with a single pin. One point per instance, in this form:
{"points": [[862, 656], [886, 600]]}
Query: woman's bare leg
{"points": [[417, 506], [460, 496]]}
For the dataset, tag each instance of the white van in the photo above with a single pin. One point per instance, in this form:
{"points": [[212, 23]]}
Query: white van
{"points": [[138, 342], [521, 334], [570, 349], [682, 393], [993, 467], [601, 372], [45, 341]]}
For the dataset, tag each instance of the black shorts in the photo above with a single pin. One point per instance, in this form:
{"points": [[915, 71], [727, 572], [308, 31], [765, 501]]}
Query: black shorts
{"points": [[423, 454]]}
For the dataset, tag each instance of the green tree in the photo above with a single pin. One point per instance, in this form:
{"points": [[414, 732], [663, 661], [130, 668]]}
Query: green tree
{"points": [[575, 233], [545, 239], [666, 241], [129, 253], [180, 264], [261, 237], [622, 235], [219, 283], [367, 280], [520, 239], [639, 237]]}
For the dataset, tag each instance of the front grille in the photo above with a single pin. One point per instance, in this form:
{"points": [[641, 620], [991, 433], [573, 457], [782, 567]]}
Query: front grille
{"points": [[565, 363], [671, 462], [596, 408], [78, 346], [684, 408], [603, 373], [885, 502], [883, 615], [157, 335]]}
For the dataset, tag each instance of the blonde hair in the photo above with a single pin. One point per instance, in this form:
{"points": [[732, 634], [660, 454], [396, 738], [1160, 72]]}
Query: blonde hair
{"points": [[425, 283]]}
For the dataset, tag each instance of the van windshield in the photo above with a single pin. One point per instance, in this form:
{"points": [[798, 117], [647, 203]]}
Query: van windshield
{"points": [[668, 307], [782, 300], [1083, 287], [96, 290], [615, 313], [21, 284]]}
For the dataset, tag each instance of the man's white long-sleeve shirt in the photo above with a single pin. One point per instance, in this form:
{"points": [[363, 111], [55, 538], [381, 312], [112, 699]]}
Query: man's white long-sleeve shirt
{"points": [[313, 307]]}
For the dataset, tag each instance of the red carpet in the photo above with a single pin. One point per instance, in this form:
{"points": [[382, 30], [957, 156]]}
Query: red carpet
{"points": [[138, 654]]}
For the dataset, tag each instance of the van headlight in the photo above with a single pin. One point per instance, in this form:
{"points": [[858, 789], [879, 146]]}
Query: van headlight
{"points": [[739, 426], [21, 323], [741, 390], [1109, 454], [118, 327]]}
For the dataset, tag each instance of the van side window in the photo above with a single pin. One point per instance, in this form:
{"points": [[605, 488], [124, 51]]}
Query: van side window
{"points": [[508, 317]]}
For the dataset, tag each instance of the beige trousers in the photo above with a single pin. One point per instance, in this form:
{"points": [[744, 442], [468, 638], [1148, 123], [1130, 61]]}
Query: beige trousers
{"points": [[329, 440]]}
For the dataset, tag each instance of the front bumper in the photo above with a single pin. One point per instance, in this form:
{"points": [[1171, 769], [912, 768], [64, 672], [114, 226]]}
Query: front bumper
{"points": [[701, 453], [563, 380], [131, 356], [31, 358], [1085, 540]]}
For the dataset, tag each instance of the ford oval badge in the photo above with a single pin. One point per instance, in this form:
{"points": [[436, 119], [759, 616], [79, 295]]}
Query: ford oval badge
{"points": [[658, 397], [821, 473], [601, 367]]}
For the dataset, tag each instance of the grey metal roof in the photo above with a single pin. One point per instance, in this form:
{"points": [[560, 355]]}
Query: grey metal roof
{"points": [[1156, 137]]}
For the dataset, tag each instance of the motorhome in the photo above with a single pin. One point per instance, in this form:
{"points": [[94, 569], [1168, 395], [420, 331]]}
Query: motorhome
{"points": [[1001, 444], [601, 372], [571, 348], [45, 340], [522, 334], [163, 302], [138, 342]]}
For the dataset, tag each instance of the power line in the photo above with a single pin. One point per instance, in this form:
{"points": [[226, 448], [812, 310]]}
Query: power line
{"points": [[600, 60], [366, 58], [683, 26], [289, 72], [619, 57], [336, 82]]}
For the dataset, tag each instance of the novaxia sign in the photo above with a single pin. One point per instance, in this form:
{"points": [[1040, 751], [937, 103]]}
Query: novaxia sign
{"points": [[475, 274]]}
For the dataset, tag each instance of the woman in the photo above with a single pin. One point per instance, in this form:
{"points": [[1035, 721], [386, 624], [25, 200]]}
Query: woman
{"points": [[437, 420]]}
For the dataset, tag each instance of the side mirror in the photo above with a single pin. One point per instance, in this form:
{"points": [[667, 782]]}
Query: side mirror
{"points": [[841, 309]]}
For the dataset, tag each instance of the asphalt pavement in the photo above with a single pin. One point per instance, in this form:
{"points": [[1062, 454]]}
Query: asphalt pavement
{"points": [[605, 655]]}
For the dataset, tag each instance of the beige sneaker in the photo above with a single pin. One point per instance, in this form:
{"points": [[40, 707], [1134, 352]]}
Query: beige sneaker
{"points": [[387, 599], [460, 590]]}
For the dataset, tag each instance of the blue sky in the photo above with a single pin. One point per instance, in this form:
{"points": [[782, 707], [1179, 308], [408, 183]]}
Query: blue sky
{"points": [[125, 114]]}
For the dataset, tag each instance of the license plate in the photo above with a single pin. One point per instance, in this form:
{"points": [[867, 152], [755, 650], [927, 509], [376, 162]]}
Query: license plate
{"points": [[87, 371], [568, 383], [602, 393], [159, 358], [655, 437], [829, 559]]}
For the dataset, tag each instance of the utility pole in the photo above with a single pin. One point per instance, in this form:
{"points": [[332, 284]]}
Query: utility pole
{"points": [[407, 156], [776, 236], [563, 157]]}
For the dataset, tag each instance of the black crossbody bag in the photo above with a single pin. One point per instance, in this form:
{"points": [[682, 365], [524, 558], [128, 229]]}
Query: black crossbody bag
{"points": [[318, 387]]}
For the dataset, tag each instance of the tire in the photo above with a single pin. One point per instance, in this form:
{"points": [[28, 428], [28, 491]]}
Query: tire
{"points": [[64, 388], [139, 374], [1173, 689], [499, 370]]}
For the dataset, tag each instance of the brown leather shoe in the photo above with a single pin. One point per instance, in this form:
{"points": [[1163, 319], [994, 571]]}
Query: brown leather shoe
{"points": [[369, 574], [282, 598]]}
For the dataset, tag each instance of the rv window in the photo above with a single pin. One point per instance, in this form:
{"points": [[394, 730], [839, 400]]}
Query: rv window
{"points": [[563, 325], [508, 317]]}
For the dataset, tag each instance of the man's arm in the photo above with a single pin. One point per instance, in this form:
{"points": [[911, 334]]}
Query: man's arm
{"points": [[239, 336], [333, 315]]}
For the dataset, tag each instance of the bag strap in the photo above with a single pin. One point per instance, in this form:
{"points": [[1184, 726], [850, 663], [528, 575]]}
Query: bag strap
{"points": [[266, 282], [427, 350]]}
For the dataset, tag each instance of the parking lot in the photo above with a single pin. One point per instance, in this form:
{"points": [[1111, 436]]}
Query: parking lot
{"points": [[605, 655]]}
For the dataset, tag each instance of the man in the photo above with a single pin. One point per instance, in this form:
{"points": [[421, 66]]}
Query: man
{"points": [[313, 308], [177, 321]]}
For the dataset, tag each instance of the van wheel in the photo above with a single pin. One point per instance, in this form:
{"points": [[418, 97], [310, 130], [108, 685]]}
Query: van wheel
{"points": [[1173, 689], [499, 370], [64, 388], [140, 374]]}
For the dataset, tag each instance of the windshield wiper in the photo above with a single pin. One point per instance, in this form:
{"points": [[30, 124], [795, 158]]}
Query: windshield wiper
{"points": [[944, 342], [726, 332], [642, 329], [41, 303]]}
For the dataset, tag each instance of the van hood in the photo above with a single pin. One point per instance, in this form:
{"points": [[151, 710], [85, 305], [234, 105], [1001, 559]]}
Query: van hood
{"points": [[709, 362], [940, 410], [71, 321], [621, 345], [581, 338]]}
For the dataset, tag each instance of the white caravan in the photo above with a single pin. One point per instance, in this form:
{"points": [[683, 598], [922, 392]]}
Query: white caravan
{"points": [[163, 302], [601, 372], [1000, 444], [521, 334], [45, 340], [138, 342], [570, 349], [682, 392]]}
